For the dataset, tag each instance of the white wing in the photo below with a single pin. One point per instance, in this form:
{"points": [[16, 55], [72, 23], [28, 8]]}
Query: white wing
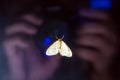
{"points": [[65, 50], [53, 49]]}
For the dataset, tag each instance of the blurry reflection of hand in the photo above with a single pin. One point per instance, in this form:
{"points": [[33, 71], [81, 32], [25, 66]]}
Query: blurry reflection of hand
{"points": [[37, 68], [96, 42]]}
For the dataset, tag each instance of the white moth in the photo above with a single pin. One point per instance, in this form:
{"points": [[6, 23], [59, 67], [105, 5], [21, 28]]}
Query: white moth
{"points": [[59, 46]]}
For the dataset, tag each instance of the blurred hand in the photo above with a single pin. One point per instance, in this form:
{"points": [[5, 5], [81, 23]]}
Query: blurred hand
{"points": [[97, 43], [38, 69]]}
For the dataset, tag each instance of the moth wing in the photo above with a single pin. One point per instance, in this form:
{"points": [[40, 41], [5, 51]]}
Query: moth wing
{"points": [[53, 49], [65, 50]]}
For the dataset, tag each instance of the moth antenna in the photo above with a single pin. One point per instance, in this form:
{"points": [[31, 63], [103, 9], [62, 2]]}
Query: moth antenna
{"points": [[62, 37], [56, 37], [59, 38]]}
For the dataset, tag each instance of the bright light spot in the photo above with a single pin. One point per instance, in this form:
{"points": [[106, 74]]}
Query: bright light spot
{"points": [[101, 4], [47, 41]]}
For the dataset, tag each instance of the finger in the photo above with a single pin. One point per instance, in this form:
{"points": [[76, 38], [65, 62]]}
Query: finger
{"points": [[33, 19], [95, 42], [11, 45], [96, 30], [20, 27], [94, 14], [15, 61]]}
